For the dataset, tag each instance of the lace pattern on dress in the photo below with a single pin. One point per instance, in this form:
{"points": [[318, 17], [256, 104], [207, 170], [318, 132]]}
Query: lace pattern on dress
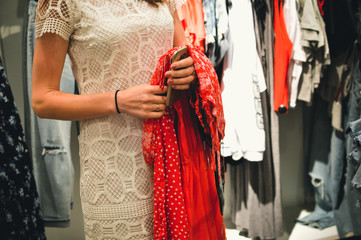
{"points": [[54, 16], [113, 45]]}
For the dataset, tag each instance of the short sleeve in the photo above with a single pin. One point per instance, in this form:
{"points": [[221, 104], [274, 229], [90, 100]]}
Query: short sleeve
{"points": [[175, 4], [54, 16]]}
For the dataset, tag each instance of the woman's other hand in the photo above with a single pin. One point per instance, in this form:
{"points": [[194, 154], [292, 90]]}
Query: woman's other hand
{"points": [[144, 101], [181, 74]]}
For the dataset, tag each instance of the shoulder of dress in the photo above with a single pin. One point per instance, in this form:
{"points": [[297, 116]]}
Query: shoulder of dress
{"points": [[175, 4]]}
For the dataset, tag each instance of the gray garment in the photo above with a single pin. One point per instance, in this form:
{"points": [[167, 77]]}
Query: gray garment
{"points": [[274, 129], [48, 140], [255, 186], [337, 84], [342, 36], [253, 206], [315, 44]]}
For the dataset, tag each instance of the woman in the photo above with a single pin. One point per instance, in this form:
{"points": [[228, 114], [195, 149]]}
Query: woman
{"points": [[113, 45]]}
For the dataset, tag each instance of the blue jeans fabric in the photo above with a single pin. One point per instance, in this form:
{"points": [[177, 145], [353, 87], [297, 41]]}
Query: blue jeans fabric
{"points": [[354, 157], [319, 218], [49, 141], [338, 148], [319, 168], [354, 130], [332, 176], [347, 214]]}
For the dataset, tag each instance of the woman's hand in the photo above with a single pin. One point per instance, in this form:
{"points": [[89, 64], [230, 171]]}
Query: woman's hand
{"points": [[144, 101], [181, 74]]}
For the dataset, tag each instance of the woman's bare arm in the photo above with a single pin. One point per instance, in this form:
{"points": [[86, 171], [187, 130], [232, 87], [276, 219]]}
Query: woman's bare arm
{"points": [[179, 35], [49, 102], [182, 72]]}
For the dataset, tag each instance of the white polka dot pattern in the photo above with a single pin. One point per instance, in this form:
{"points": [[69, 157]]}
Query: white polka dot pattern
{"points": [[170, 217]]}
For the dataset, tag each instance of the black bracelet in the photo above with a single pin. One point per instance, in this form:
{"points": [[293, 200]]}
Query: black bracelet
{"points": [[116, 102]]}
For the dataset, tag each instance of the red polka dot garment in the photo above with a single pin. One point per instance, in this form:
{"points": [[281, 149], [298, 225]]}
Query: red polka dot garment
{"points": [[174, 194]]}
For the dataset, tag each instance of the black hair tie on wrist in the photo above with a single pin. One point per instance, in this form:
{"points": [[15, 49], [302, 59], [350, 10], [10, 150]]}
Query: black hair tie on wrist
{"points": [[116, 102]]}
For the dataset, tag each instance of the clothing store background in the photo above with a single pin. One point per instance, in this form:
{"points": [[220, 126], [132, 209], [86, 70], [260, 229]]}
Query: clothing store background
{"points": [[291, 131]]}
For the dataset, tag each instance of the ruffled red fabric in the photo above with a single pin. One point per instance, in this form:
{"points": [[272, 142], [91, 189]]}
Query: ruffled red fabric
{"points": [[198, 179], [186, 204], [208, 104]]}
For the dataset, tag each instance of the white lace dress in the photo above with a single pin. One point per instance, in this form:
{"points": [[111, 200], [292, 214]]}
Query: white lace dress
{"points": [[114, 44]]}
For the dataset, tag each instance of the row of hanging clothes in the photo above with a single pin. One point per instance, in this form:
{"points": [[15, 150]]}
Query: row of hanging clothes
{"points": [[251, 144], [36, 172], [237, 36], [331, 121], [272, 55], [211, 26], [49, 168]]}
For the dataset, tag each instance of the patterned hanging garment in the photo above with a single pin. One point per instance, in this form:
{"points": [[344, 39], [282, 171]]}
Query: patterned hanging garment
{"points": [[179, 171], [19, 201]]}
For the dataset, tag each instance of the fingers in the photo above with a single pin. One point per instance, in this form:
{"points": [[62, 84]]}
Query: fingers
{"points": [[183, 63], [157, 107], [154, 115], [179, 73], [144, 101], [154, 111], [154, 89], [182, 73], [181, 79], [181, 68], [156, 101], [148, 110], [181, 83]]}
